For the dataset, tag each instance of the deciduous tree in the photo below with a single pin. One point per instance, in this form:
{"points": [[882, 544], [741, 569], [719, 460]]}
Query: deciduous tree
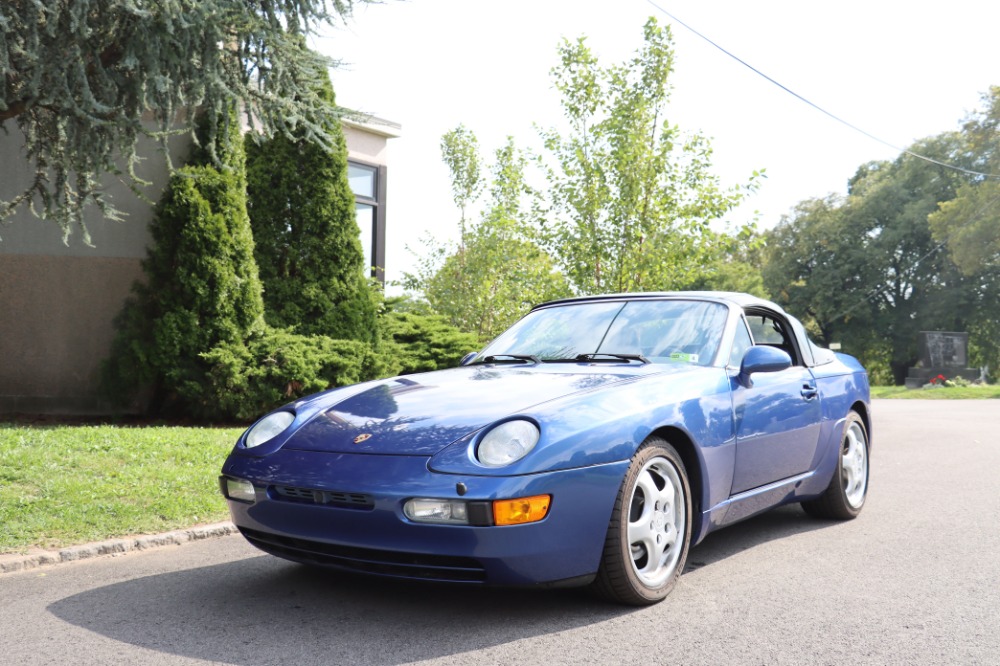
{"points": [[632, 196], [866, 269], [969, 225], [498, 271]]}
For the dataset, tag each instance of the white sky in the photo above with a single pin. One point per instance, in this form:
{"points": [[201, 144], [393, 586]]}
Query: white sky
{"points": [[899, 70]]}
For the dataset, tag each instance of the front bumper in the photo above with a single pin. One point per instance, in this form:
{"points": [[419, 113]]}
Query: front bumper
{"points": [[346, 511]]}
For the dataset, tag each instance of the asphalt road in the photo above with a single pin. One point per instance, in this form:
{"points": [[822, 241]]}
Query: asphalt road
{"points": [[914, 580]]}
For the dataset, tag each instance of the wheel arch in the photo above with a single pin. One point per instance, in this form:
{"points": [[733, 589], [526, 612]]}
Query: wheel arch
{"points": [[685, 447], [862, 409]]}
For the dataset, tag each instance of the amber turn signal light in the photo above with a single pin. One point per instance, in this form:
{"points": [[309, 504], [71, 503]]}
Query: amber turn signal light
{"points": [[522, 510]]}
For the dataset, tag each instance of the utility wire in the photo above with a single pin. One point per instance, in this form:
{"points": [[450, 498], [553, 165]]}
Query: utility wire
{"points": [[934, 250], [819, 108]]}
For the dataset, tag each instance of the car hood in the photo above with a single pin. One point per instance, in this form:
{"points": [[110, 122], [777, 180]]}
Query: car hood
{"points": [[421, 414]]}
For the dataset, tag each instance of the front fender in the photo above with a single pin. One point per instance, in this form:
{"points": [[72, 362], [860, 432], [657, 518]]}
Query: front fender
{"points": [[608, 425]]}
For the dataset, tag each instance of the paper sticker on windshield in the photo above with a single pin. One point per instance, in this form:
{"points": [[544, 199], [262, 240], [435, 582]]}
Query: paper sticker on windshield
{"points": [[681, 356]]}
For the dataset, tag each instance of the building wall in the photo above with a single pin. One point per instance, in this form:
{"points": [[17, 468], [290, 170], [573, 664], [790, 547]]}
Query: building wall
{"points": [[58, 301]]}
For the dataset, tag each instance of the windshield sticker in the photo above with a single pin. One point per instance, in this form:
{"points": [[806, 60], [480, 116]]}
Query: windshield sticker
{"points": [[681, 356]]}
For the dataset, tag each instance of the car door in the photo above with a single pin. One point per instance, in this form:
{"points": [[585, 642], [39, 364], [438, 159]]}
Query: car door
{"points": [[778, 418]]}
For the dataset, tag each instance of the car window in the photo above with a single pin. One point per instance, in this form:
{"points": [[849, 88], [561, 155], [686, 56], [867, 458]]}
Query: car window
{"points": [[664, 331], [769, 330], [560, 332], [741, 343], [661, 330]]}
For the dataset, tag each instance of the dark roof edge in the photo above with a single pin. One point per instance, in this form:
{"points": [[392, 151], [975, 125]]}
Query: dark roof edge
{"points": [[736, 298]]}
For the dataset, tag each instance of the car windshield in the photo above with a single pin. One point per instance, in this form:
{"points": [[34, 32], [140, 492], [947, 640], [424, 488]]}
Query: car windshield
{"points": [[659, 330]]}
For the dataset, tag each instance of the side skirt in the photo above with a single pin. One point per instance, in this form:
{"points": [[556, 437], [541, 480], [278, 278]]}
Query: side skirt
{"points": [[757, 500]]}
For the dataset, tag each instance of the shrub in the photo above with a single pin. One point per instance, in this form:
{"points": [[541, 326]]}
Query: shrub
{"points": [[246, 380], [201, 289], [424, 342]]}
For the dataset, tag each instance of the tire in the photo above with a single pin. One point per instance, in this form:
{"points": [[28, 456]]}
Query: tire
{"points": [[650, 530], [844, 498]]}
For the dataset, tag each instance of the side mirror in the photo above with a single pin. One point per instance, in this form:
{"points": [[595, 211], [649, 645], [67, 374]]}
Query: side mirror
{"points": [[762, 359], [468, 358]]}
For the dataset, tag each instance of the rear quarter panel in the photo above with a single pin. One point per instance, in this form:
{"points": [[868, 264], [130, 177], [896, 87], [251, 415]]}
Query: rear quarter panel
{"points": [[843, 387]]}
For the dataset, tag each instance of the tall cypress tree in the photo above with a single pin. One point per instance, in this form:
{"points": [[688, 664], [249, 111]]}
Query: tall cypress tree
{"points": [[201, 284], [306, 234]]}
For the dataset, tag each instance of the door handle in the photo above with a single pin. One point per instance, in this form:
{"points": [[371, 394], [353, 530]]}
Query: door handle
{"points": [[809, 391]]}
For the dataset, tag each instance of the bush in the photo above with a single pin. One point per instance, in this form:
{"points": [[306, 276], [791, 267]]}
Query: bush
{"points": [[201, 290], [246, 380], [424, 342]]}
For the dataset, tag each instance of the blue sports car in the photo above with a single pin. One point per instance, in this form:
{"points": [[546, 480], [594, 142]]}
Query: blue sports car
{"points": [[592, 443]]}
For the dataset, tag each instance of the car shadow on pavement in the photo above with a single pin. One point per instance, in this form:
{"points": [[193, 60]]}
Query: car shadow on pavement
{"points": [[774, 524], [263, 610]]}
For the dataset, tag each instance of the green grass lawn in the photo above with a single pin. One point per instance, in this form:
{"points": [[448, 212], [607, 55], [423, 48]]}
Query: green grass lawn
{"points": [[63, 485], [943, 393]]}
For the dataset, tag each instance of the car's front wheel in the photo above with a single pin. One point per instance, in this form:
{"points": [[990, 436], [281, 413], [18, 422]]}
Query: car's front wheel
{"points": [[650, 530], [845, 496]]}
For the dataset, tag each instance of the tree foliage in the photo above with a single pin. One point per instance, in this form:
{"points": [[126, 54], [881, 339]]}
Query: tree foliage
{"points": [[306, 233], [201, 287], [245, 380], [631, 195], [970, 223], [969, 226], [627, 203], [460, 152], [498, 271], [420, 340], [866, 269], [78, 78]]}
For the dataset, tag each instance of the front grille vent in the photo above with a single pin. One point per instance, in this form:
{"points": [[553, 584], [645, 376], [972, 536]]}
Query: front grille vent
{"points": [[322, 497], [396, 564]]}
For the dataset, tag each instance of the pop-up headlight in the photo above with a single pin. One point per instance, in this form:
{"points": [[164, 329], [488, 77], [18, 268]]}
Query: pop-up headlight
{"points": [[268, 428]]}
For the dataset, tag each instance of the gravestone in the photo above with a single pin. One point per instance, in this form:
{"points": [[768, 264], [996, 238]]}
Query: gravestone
{"points": [[943, 349], [941, 353]]}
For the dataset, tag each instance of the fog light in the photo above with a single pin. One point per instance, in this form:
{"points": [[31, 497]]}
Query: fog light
{"points": [[447, 512], [239, 490], [522, 510]]}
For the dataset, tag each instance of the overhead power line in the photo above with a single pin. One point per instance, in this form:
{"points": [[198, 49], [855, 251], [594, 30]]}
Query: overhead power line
{"points": [[819, 108]]}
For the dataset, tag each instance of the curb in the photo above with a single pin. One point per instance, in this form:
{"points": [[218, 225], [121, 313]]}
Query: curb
{"points": [[33, 560]]}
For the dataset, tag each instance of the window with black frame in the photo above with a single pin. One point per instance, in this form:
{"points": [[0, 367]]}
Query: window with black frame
{"points": [[368, 185]]}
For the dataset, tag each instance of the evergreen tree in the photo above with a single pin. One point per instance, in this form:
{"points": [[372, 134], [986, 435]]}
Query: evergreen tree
{"points": [[306, 233], [201, 287], [78, 78]]}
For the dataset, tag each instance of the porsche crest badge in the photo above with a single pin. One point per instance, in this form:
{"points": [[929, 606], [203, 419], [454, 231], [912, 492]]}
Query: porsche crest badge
{"points": [[363, 437]]}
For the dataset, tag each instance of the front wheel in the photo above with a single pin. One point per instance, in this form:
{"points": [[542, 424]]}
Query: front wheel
{"points": [[845, 496], [650, 529]]}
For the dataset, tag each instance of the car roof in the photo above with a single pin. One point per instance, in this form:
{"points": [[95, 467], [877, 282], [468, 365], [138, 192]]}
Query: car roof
{"points": [[734, 297]]}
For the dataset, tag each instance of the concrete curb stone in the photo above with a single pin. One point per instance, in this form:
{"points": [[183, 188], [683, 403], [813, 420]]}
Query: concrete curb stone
{"points": [[32, 560]]}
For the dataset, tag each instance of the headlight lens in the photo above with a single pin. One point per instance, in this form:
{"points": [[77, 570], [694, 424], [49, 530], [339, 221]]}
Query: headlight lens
{"points": [[422, 510], [507, 443], [240, 490], [268, 428]]}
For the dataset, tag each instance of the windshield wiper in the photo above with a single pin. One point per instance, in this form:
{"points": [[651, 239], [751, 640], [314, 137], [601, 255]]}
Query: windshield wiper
{"points": [[513, 358], [606, 356]]}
